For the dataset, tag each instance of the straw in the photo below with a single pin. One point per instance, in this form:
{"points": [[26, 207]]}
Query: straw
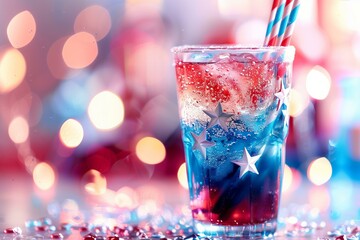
{"points": [[281, 22], [271, 21], [276, 24], [291, 23], [284, 21]]}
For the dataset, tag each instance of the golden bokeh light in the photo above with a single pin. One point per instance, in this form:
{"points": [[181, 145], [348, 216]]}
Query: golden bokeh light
{"points": [[126, 197], [106, 111], [21, 29], [182, 176], [80, 50], [71, 133], [150, 150], [18, 130], [318, 83], [298, 102], [43, 176], [287, 179], [347, 16], [94, 19], [95, 182], [319, 171], [12, 70]]}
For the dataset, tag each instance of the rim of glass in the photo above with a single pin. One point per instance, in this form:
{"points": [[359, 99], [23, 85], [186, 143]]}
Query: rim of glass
{"points": [[228, 47]]}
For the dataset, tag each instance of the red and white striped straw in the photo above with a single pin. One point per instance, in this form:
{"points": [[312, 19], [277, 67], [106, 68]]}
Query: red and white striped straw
{"points": [[291, 23], [276, 24], [271, 21], [284, 21]]}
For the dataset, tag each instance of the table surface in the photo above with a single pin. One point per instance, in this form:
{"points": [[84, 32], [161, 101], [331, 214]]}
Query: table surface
{"points": [[308, 212]]}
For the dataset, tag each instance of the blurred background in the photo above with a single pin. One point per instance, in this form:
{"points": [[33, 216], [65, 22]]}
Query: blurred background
{"points": [[87, 94]]}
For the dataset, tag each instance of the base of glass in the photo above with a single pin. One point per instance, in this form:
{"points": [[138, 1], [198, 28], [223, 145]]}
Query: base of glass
{"points": [[256, 231]]}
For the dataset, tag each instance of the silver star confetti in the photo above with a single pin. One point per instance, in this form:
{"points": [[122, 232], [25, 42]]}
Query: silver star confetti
{"points": [[218, 117], [200, 142], [282, 95], [247, 163]]}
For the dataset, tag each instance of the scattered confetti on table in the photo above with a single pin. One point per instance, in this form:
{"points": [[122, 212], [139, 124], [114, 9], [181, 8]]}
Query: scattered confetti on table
{"points": [[111, 224]]}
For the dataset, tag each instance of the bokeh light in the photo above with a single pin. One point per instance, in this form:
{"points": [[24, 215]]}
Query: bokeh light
{"points": [[21, 29], [150, 150], [106, 110], [94, 19], [18, 130], [71, 133], [126, 197], [318, 83], [287, 179], [319, 171], [347, 13], [12, 70], [94, 182], [80, 50], [43, 176], [298, 102], [182, 176]]}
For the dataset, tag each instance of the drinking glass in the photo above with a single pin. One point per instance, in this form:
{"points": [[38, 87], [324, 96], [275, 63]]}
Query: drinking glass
{"points": [[234, 116]]}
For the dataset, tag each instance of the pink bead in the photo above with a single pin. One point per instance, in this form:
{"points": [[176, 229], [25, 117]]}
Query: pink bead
{"points": [[15, 230], [41, 228], [83, 229], [56, 236], [342, 237], [89, 236], [113, 238]]}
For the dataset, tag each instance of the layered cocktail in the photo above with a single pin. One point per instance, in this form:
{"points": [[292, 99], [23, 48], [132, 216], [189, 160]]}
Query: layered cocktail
{"points": [[233, 104]]}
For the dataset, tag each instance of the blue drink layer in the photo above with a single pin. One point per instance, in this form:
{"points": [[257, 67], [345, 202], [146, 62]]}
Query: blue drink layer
{"points": [[234, 122], [218, 194]]}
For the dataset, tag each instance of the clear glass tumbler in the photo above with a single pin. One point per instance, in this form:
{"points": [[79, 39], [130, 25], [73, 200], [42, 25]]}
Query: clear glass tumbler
{"points": [[233, 105]]}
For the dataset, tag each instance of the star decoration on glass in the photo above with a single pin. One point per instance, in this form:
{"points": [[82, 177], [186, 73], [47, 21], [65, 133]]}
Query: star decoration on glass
{"points": [[200, 142], [247, 163], [282, 95], [218, 117]]}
